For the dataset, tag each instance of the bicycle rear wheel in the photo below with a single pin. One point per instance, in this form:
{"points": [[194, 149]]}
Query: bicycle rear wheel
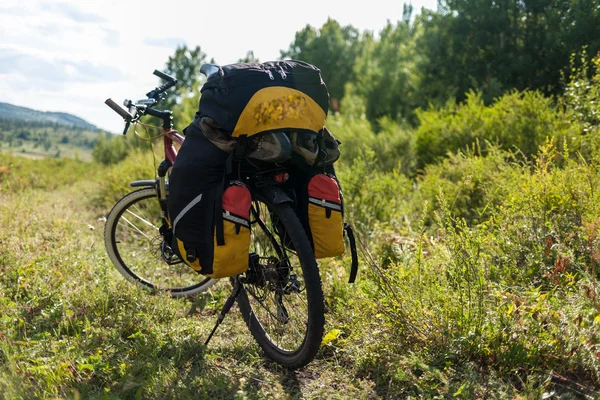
{"points": [[281, 299], [133, 243]]}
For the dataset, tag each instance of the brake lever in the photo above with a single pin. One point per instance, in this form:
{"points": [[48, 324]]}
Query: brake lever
{"points": [[127, 124]]}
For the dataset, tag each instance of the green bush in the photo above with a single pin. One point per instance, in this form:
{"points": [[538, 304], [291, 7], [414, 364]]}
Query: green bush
{"points": [[19, 173], [138, 165], [472, 184], [393, 145], [373, 197], [518, 121], [110, 150]]}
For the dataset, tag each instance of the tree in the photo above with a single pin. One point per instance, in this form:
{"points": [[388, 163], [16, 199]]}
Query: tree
{"points": [[333, 49], [495, 46], [249, 58], [386, 72], [184, 65]]}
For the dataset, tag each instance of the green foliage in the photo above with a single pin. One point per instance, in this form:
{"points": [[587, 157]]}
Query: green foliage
{"points": [[513, 292], [250, 58], [333, 48], [500, 46], [372, 196], [582, 93], [472, 184], [184, 65], [580, 102], [139, 165], [386, 73], [45, 139], [516, 121], [393, 145], [110, 150], [18, 174], [184, 112]]}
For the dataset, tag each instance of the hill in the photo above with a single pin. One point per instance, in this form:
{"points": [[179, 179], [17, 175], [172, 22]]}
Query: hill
{"points": [[40, 138], [12, 112]]}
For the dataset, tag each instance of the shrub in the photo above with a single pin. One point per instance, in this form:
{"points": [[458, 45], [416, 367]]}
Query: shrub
{"points": [[518, 121], [393, 145], [110, 150], [115, 183]]}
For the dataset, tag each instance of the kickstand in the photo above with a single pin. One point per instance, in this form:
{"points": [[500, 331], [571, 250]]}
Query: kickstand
{"points": [[226, 307]]}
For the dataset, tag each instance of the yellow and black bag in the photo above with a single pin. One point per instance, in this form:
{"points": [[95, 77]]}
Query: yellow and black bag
{"points": [[320, 206], [246, 99], [206, 253], [325, 216]]}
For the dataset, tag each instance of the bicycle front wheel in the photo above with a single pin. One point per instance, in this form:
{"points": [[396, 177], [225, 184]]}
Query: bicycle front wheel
{"points": [[133, 243], [281, 299]]}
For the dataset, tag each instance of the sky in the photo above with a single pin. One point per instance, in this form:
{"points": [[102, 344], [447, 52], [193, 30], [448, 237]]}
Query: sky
{"points": [[71, 55]]}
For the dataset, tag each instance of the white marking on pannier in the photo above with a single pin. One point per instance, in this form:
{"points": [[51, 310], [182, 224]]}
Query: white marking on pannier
{"points": [[235, 220], [325, 203], [186, 209]]}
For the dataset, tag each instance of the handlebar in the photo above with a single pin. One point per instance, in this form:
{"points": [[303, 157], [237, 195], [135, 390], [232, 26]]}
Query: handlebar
{"points": [[136, 110], [156, 93], [119, 110]]}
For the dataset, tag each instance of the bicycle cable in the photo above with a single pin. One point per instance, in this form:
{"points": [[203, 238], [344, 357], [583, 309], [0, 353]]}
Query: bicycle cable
{"points": [[149, 138]]}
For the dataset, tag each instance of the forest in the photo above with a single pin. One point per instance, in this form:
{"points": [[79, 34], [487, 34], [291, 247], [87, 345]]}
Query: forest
{"points": [[41, 139], [470, 170]]}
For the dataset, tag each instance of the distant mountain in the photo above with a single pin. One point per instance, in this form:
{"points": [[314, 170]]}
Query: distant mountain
{"points": [[9, 111]]}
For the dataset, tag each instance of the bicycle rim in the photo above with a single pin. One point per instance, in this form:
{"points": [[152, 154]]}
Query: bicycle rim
{"points": [[134, 243]]}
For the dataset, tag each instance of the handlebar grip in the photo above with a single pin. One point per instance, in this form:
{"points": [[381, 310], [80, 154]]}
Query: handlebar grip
{"points": [[119, 110], [167, 85], [164, 76]]}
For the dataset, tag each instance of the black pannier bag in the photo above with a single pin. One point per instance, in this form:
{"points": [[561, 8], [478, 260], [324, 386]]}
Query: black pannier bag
{"points": [[194, 200]]}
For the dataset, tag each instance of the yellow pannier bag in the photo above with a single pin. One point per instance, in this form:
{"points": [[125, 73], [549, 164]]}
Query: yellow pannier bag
{"points": [[325, 217], [231, 257]]}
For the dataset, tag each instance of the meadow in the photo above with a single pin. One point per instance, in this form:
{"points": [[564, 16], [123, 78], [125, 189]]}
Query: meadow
{"points": [[479, 233]]}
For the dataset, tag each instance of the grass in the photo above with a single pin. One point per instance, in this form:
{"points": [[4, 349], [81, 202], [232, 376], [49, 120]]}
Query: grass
{"points": [[28, 149], [444, 307], [72, 327]]}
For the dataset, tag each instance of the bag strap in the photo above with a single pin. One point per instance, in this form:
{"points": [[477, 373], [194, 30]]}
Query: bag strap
{"points": [[237, 156], [319, 161], [219, 229], [354, 268]]}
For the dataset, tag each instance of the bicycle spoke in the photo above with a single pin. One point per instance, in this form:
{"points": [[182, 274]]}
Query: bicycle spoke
{"points": [[136, 246], [143, 220], [136, 228]]}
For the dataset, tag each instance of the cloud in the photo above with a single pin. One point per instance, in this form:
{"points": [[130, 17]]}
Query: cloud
{"points": [[112, 38], [72, 12], [43, 73], [164, 42]]}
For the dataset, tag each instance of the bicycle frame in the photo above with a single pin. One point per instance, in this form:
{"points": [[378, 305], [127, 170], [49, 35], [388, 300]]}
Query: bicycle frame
{"points": [[171, 136]]}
